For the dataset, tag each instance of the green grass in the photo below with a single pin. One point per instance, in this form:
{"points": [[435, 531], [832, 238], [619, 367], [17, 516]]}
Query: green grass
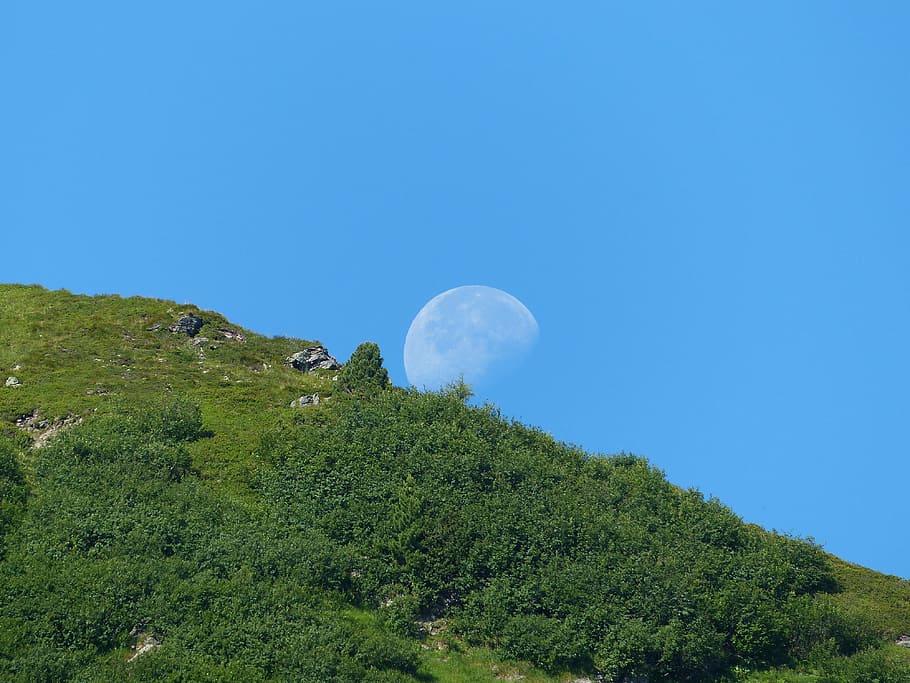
{"points": [[77, 354], [885, 598], [446, 660]]}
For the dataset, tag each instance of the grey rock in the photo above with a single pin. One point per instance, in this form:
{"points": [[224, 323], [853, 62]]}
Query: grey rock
{"points": [[228, 333], [43, 430], [311, 359], [903, 641], [147, 642], [188, 324], [32, 421], [13, 381], [305, 400]]}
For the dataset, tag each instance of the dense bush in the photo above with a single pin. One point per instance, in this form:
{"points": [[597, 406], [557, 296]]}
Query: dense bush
{"points": [[12, 490], [542, 551], [369, 516], [872, 665], [121, 537]]}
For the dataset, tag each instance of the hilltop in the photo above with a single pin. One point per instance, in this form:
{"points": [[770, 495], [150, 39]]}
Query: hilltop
{"points": [[183, 499]]}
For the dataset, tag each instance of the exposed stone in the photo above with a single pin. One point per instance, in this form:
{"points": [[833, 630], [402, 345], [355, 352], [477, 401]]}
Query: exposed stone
{"points": [[228, 333], [31, 422], [145, 642], [903, 641], [432, 628], [311, 359], [154, 328], [199, 341], [42, 429], [305, 400], [188, 324], [13, 381]]}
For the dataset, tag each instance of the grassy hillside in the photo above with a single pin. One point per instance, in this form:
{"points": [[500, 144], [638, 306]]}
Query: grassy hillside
{"points": [[165, 514]]}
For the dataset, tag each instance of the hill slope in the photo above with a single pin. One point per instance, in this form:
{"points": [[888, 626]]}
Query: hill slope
{"points": [[166, 515]]}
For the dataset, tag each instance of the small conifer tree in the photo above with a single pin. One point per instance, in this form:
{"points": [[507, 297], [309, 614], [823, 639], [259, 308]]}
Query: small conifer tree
{"points": [[364, 373]]}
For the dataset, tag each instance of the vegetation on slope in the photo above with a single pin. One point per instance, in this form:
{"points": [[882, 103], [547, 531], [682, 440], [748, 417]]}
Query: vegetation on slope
{"points": [[383, 535]]}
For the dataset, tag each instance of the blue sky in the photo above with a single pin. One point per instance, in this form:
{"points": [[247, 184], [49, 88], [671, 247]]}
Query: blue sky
{"points": [[703, 204]]}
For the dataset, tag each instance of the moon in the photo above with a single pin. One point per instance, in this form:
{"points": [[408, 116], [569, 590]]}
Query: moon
{"points": [[475, 332]]}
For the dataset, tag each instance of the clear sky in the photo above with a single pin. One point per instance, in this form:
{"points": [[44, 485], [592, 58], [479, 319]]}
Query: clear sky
{"points": [[704, 204]]}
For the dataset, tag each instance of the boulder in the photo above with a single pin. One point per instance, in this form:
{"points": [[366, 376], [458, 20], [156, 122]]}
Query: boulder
{"points": [[188, 325], [903, 641], [305, 400], [13, 381], [311, 359]]}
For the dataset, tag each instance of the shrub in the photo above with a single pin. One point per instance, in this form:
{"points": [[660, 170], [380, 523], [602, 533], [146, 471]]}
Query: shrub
{"points": [[364, 373]]}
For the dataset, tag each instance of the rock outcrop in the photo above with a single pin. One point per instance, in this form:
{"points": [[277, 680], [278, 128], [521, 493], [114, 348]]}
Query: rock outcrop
{"points": [[13, 381], [311, 359], [144, 641], [188, 324], [43, 430], [305, 400], [228, 333]]}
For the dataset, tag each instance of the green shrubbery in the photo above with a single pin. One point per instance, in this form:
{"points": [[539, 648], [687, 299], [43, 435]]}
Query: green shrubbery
{"points": [[121, 536], [13, 490], [545, 553], [263, 543], [364, 374], [411, 504]]}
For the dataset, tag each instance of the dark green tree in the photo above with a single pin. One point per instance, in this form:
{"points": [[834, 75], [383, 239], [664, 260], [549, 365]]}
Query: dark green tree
{"points": [[363, 373]]}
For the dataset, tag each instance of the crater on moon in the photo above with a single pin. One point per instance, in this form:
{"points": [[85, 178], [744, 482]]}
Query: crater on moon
{"points": [[474, 331]]}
